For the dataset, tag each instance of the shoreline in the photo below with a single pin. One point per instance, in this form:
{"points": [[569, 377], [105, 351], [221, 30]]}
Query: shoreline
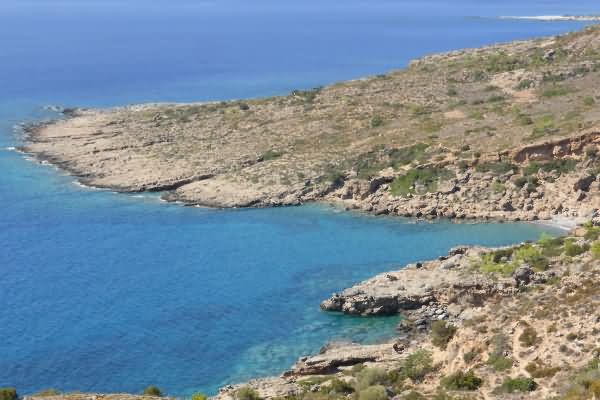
{"points": [[553, 18], [458, 181]]}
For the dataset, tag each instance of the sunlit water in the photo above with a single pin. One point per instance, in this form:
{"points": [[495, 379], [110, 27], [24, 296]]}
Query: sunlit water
{"points": [[108, 292]]}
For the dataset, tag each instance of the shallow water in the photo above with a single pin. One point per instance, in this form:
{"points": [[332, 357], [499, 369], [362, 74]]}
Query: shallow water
{"points": [[108, 292]]}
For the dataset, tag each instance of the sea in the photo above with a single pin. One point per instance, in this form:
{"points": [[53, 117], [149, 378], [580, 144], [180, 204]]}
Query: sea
{"points": [[107, 292]]}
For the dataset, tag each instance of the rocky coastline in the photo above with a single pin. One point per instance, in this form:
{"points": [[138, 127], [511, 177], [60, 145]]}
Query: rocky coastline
{"points": [[508, 132]]}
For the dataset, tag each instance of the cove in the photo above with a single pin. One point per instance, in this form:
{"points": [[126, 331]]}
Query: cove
{"points": [[111, 293]]}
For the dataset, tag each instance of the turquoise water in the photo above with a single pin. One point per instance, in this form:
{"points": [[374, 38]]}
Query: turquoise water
{"points": [[108, 292]]}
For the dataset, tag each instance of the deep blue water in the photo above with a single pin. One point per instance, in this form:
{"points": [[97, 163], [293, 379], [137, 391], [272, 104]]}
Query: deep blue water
{"points": [[109, 292]]}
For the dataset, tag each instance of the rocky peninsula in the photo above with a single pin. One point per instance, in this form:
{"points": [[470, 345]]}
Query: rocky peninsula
{"points": [[508, 132]]}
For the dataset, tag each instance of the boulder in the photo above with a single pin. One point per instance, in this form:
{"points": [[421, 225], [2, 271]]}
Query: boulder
{"points": [[522, 275]]}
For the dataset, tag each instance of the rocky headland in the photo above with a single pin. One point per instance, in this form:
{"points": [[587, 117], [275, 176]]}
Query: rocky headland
{"points": [[509, 132]]}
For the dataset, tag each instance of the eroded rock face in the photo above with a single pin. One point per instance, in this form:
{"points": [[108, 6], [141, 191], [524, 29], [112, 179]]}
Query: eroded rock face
{"points": [[412, 287], [342, 356]]}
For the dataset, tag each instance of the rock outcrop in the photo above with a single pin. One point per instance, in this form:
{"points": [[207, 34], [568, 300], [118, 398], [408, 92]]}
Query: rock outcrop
{"points": [[436, 282]]}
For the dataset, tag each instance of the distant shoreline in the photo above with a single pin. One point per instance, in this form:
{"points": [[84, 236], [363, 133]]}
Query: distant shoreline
{"points": [[553, 18]]}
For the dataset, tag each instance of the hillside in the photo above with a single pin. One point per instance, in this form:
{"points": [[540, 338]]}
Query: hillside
{"points": [[448, 123]]}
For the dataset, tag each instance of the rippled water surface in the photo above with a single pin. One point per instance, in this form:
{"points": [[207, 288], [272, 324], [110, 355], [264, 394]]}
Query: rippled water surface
{"points": [[107, 292]]}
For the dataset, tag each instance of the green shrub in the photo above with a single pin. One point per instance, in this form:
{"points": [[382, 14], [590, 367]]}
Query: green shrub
{"points": [[271, 155], [247, 393], [499, 363], [418, 365], [419, 181], [528, 337], [47, 392], [414, 396], [532, 256], [441, 333], [520, 384], [545, 125], [153, 391], [339, 386], [406, 155], [555, 91], [500, 167], [8, 393], [524, 119], [495, 98], [489, 266], [520, 181], [452, 92], [592, 232], [596, 249], [462, 381], [370, 377], [562, 166], [551, 246], [525, 84], [376, 121], [470, 356], [373, 393], [589, 101], [572, 249], [537, 370], [307, 96], [498, 187], [357, 369], [199, 396]]}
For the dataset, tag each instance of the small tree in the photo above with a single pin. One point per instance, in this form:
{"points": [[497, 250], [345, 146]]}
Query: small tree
{"points": [[153, 391], [8, 393], [247, 393], [199, 396], [441, 333]]}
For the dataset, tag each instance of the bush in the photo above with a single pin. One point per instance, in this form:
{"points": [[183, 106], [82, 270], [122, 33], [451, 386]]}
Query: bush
{"points": [[532, 256], [8, 393], [420, 181], [414, 396], [520, 384], [541, 371], [462, 381], [591, 232], [551, 246], [441, 333], [376, 121], [47, 392], [525, 84], [572, 249], [370, 377], [271, 155], [418, 365], [153, 391], [555, 91], [501, 167], [199, 396], [596, 249], [499, 363], [339, 386], [470, 356], [529, 336], [373, 393], [247, 393]]}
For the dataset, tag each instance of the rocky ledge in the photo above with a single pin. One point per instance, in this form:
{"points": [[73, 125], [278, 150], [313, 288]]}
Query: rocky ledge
{"points": [[445, 281]]}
